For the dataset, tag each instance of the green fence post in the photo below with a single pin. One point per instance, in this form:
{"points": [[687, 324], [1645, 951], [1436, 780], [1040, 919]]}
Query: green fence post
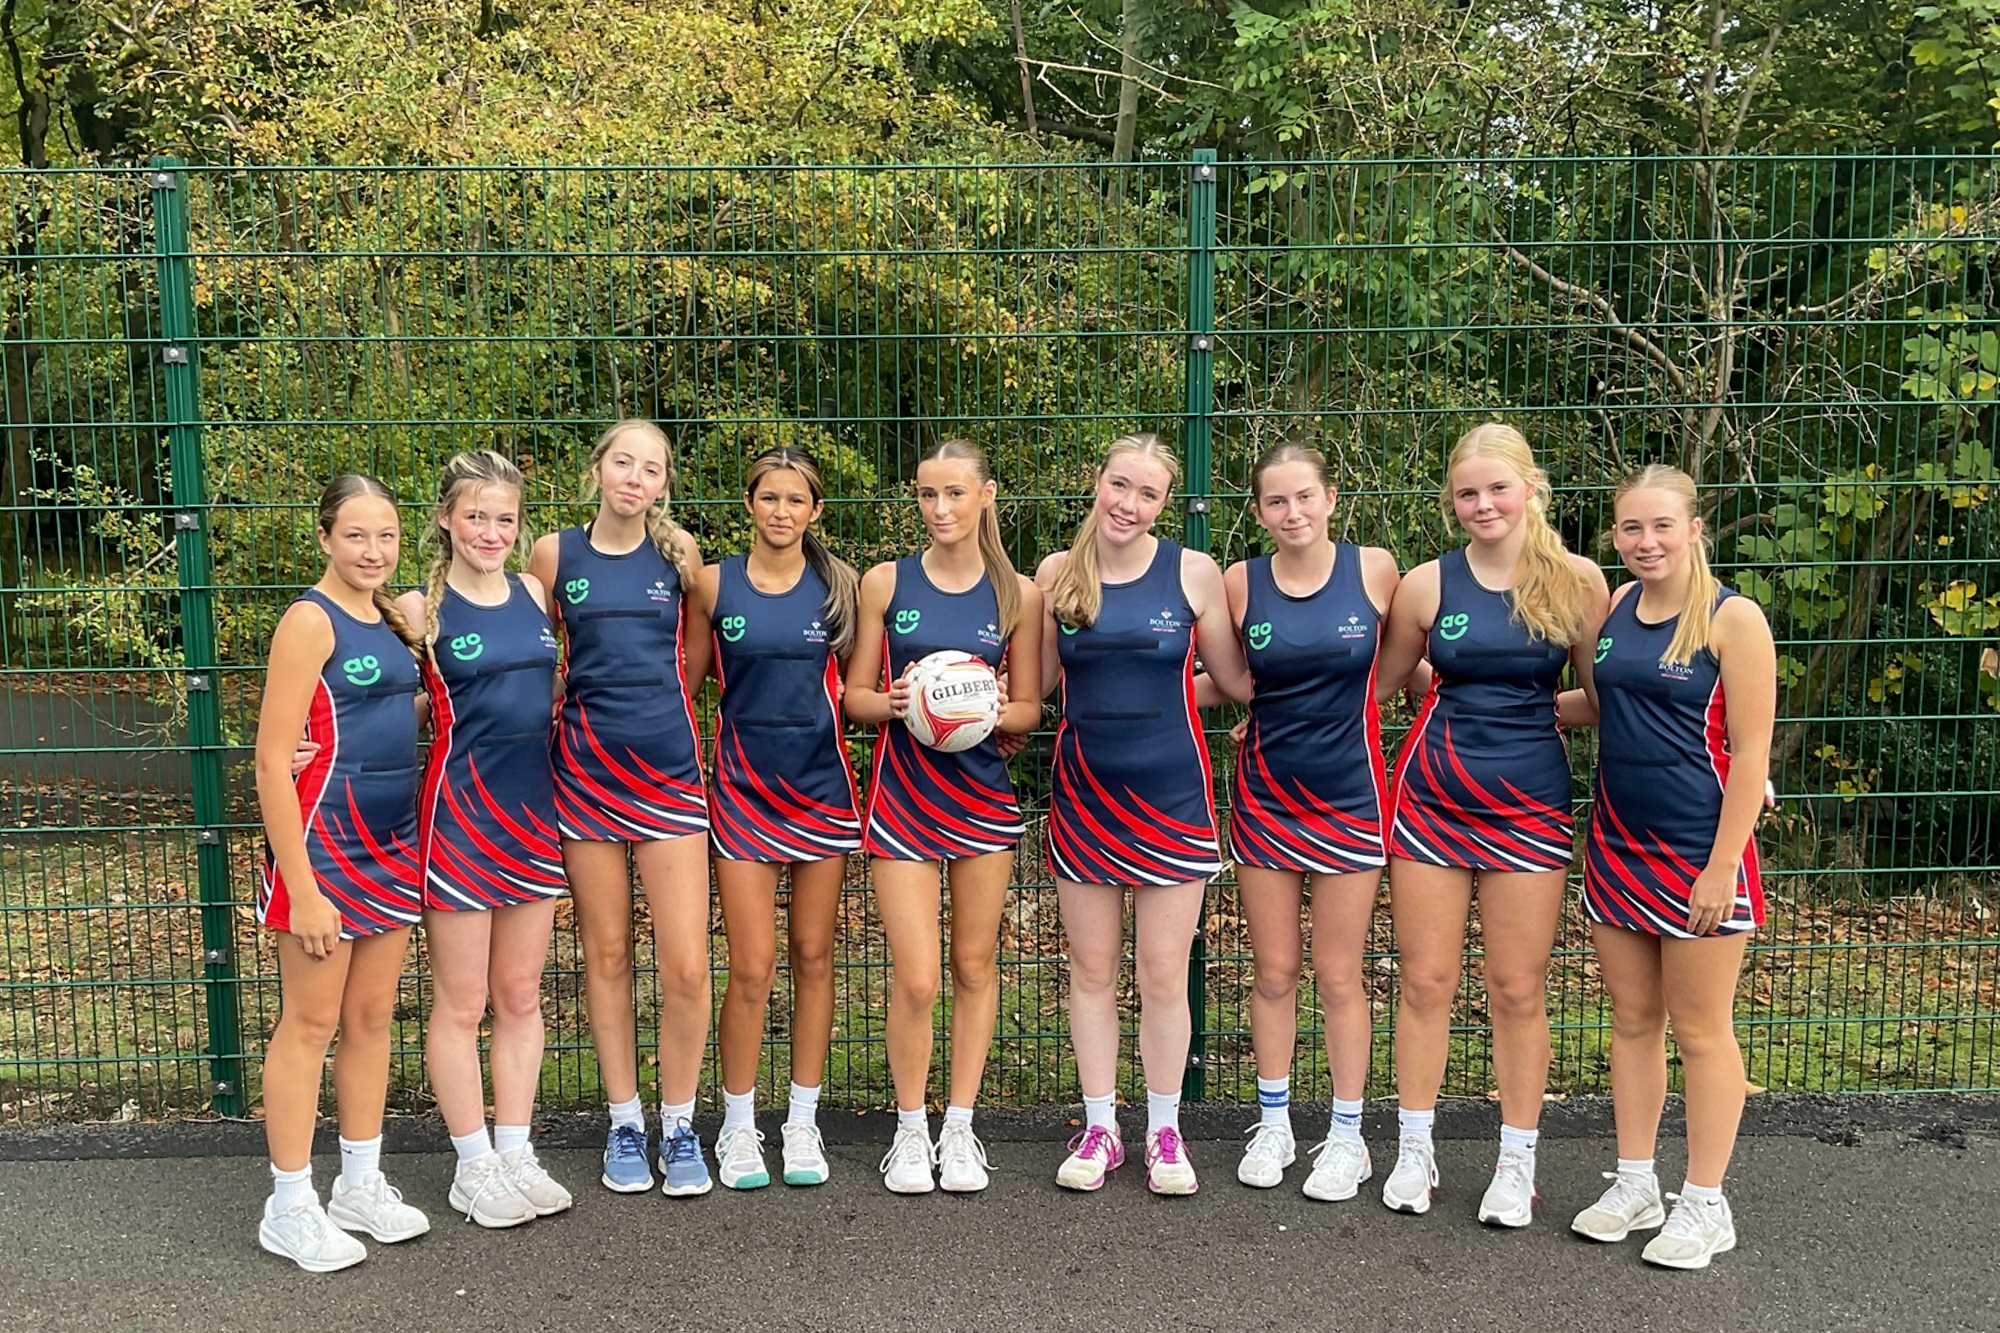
{"points": [[1199, 458], [181, 370]]}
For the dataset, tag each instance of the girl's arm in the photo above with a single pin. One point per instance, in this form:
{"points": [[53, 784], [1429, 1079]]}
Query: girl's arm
{"points": [[1051, 655], [411, 604], [1741, 641], [1406, 633], [1021, 693], [1597, 607], [697, 649], [542, 572], [299, 651], [1215, 628], [866, 701], [700, 623], [1236, 587], [1578, 707]]}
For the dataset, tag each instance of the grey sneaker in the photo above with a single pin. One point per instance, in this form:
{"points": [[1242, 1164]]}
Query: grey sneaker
{"points": [[1694, 1234], [483, 1192], [305, 1236], [1631, 1204], [525, 1172]]}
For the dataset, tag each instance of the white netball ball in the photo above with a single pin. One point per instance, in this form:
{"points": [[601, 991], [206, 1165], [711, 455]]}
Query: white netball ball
{"points": [[954, 701]]}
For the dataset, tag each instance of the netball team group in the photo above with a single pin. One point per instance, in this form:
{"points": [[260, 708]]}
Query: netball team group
{"points": [[564, 754]]}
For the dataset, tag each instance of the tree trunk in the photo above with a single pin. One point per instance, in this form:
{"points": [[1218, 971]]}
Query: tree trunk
{"points": [[1124, 140]]}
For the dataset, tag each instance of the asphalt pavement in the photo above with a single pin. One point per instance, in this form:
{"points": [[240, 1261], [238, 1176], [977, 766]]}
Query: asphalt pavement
{"points": [[1855, 1214]]}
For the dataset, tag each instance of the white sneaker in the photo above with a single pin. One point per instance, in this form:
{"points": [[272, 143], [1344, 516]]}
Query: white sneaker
{"points": [[1694, 1234], [1631, 1204], [1093, 1155], [1168, 1167], [1271, 1149], [906, 1167], [1510, 1199], [1339, 1168], [739, 1159], [805, 1156], [376, 1208], [482, 1191], [1409, 1186], [961, 1159], [525, 1171], [305, 1236]]}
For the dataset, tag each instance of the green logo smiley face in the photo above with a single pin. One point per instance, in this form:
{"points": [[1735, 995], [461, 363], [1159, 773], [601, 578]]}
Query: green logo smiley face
{"points": [[576, 590], [361, 670], [732, 627], [906, 619], [1259, 635], [1454, 627], [466, 647], [1068, 628], [1603, 650]]}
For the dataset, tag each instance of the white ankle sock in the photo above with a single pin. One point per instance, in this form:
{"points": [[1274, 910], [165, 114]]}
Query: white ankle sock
{"points": [[1415, 1124], [1346, 1122], [1520, 1140], [1708, 1194], [917, 1119], [632, 1115], [1163, 1111], [804, 1106], [1101, 1112], [671, 1117], [958, 1115], [471, 1147], [1637, 1171], [361, 1159], [289, 1189], [738, 1108], [1274, 1102], [506, 1138]]}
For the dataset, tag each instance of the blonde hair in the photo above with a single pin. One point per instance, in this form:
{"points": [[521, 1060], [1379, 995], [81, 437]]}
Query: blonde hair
{"points": [[671, 539], [1697, 612], [843, 585], [999, 566], [465, 473], [348, 486], [1550, 594], [1076, 594]]}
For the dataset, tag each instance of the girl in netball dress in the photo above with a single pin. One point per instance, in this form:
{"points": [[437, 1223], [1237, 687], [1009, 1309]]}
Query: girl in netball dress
{"points": [[1132, 804], [486, 818], [341, 881], [781, 618], [1684, 685], [629, 789], [943, 818], [1309, 800], [1482, 799]]}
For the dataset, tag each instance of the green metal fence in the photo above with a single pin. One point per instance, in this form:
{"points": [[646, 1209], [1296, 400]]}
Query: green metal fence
{"points": [[190, 352]]}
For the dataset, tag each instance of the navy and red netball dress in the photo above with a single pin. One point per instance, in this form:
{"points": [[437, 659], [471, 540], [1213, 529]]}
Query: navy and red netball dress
{"points": [[1132, 801], [626, 766], [358, 796], [1663, 757], [487, 817], [924, 804], [1483, 780], [1310, 792], [783, 790]]}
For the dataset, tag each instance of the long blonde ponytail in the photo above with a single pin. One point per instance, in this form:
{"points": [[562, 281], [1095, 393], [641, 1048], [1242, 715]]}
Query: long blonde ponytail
{"points": [[1550, 594], [1076, 593], [1691, 632], [1000, 570], [671, 539]]}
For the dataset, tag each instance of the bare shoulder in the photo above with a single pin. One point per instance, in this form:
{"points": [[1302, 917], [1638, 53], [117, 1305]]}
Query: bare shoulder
{"points": [[1200, 564], [411, 604], [536, 590], [1588, 569], [1031, 595], [1378, 560], [690, 549], [1622, 591], [1741, 615], [880, 579], [1051, 565]]}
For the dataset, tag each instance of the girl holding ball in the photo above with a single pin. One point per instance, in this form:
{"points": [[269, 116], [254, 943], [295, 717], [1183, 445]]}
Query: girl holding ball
{"points": [[934, 816]]}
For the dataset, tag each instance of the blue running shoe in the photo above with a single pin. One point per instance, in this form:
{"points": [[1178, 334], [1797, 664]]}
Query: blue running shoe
{"points": [[625, 1168], [682, 1164]]}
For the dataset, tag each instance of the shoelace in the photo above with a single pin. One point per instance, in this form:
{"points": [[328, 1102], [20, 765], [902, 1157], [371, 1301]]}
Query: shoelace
{"points": [[909, 1145], [1167, 1147], [743, 1147], [955, 1143], [810, 1134], [528, 1169], [487, 1178], [1092, 1142], [1335, 1147], [683, 1146], [1413, 1149], [1266, 1141], [1624, 1192], [1684, 1221], [627, 1142]]}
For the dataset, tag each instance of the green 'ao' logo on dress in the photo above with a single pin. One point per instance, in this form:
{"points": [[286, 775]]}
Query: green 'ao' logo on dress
{"points": [[576, 590], [362, 670], [1454, 626], [907, 618], [733, 627], [1603, 649], [1259, 635], [466, 647]]}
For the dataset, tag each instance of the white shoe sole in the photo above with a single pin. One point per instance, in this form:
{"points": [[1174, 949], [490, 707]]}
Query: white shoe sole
{"points": [[265, 1242], [966, 1186], [347, 1221], [687, 1191], [909, 1186], [473, 1212], [1259, 1183], [1325, 1196], [1699, 1261], [1496, 1218], [637, 1187], [1416, 1207], [1646, 1221]]}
